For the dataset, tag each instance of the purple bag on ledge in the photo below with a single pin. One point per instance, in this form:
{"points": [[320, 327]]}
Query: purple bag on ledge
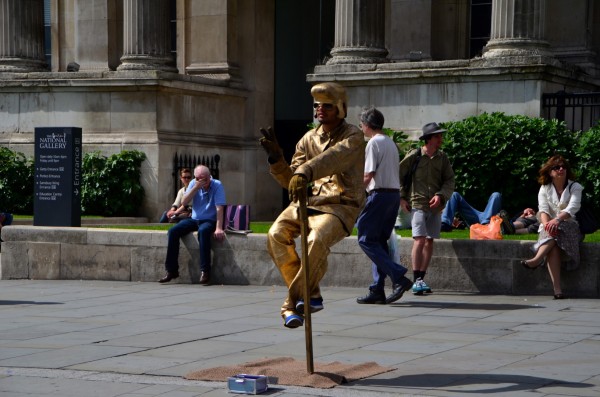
{"points": [[237, 218]]}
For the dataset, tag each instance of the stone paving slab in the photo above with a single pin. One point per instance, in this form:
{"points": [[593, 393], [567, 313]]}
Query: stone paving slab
{"points": [[106, 338]]}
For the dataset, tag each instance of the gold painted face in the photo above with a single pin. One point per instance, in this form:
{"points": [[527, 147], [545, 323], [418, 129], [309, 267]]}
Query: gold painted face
{"points": [[325, 113], [330, 94]]}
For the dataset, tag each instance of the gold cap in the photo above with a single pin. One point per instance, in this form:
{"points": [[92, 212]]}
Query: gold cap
{"points": [[331, 93]]}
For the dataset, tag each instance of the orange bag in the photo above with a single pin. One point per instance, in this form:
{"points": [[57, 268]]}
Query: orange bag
{"points": [[491, 231]]}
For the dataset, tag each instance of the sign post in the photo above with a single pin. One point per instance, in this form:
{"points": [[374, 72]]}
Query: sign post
{"points": [[57, 190]]}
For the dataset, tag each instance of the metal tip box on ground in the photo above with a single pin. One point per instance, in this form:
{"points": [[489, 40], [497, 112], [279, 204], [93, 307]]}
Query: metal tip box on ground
{"points": [[247, 384]]}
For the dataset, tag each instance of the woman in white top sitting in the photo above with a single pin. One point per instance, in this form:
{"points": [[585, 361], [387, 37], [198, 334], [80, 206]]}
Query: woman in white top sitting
{"points": [[559, 199]]}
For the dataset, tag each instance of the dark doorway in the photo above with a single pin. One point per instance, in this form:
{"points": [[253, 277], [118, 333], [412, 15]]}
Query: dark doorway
{"points": [[304, 34], [480, 26]]}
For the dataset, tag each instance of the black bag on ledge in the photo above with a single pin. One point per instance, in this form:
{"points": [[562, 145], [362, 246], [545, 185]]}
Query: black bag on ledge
{"points": [[586, 217], [587, 220]]}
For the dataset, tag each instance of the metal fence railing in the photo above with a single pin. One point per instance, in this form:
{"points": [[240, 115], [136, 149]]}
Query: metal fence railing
{"points": [[579, 111]]}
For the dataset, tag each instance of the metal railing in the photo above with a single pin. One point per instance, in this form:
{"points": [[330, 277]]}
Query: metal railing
{"points": [[580, 111], [188, 161]]}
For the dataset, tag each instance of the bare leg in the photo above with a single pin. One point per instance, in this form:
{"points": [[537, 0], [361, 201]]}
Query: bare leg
{"points": [[542, 252], [417, 256], [427, 253], [554, 269]]}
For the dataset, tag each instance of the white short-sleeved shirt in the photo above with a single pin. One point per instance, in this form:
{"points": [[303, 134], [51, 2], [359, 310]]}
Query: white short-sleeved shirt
{"points": [[381, 157]]}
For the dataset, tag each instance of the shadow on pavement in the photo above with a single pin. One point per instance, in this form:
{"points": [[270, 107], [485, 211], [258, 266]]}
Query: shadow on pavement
{"points": [[29, 303], [474, 384], [465, 305]]}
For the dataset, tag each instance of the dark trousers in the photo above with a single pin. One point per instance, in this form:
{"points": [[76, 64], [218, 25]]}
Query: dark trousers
{"points": [[375, 223], [205, 230]]}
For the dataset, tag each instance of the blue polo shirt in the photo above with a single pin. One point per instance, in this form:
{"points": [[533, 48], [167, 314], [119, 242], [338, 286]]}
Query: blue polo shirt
{"points": [[205, 202]]}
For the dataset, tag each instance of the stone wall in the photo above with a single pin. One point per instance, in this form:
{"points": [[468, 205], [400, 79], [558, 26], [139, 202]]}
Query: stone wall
{"points": [[491, 267]]}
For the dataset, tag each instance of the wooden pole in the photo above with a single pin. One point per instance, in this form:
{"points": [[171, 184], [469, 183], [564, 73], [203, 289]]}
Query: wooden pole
{"points": [[307, 320]]}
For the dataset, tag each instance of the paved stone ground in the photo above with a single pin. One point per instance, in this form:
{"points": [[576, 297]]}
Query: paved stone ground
{"points": [[101, 338]]}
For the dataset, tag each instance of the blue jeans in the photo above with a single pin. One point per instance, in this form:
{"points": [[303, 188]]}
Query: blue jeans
{"points": [[375, 224], [163, 218], [205, 229], [458, 205], [8, 218]]}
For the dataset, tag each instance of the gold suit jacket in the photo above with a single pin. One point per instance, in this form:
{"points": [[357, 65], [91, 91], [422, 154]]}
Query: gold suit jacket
{"points": [[334, 163]]}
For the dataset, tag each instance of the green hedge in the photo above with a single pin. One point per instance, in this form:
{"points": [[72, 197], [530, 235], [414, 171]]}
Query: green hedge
{"points": [[110, 185], [16, 182], [501, 153], [587, 163]]}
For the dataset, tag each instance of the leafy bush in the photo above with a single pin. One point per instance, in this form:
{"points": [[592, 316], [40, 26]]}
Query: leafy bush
{"points": [[111, 185], [16, 182], [401, 139], [501, 153], [587, 166]]}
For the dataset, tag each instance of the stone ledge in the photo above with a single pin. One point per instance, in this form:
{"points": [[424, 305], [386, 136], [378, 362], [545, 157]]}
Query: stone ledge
{"points": [[124, 220], [490, 267]]}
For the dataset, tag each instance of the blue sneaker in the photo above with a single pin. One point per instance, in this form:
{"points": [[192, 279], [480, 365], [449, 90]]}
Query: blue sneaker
{"points": [[293, 321], [316, 305], [419, 287], [425, 287]]}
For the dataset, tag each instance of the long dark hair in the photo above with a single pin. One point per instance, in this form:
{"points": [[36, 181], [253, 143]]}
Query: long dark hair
{"points": [[544, 173]]}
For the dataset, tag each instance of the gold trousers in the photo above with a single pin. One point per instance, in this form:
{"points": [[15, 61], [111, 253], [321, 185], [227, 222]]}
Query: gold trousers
{"points": [[324, 230]]}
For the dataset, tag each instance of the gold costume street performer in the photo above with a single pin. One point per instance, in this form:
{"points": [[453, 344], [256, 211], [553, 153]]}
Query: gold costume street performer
{"points": [[327, 167]]}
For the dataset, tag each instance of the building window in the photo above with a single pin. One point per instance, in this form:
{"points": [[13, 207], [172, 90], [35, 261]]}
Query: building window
{"points": [[480, 26], [47, 34]]}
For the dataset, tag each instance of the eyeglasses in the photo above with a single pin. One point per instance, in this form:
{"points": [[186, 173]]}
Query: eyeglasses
{"points": [[558, 167], [186, 177], [326, 106]]}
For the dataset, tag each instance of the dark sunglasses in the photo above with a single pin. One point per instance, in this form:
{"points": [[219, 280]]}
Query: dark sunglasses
{"points": [[558, 167], [186, 177], [326, 106]]}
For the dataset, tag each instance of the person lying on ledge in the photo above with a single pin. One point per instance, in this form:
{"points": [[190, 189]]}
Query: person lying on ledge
{"points": [[458, 206], [527, 222]]}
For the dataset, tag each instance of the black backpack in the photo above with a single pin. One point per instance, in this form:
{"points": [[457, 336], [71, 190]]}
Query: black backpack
{"points": [[586, 217]]}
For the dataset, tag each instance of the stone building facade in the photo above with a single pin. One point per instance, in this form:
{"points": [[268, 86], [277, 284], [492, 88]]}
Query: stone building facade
{"points": [[200, 76]]}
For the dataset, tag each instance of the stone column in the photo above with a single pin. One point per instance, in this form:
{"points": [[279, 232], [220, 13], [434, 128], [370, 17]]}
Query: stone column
{"points": [[146, 36], [218, 57], [22, 36], [518, 29], [359, 32]]}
